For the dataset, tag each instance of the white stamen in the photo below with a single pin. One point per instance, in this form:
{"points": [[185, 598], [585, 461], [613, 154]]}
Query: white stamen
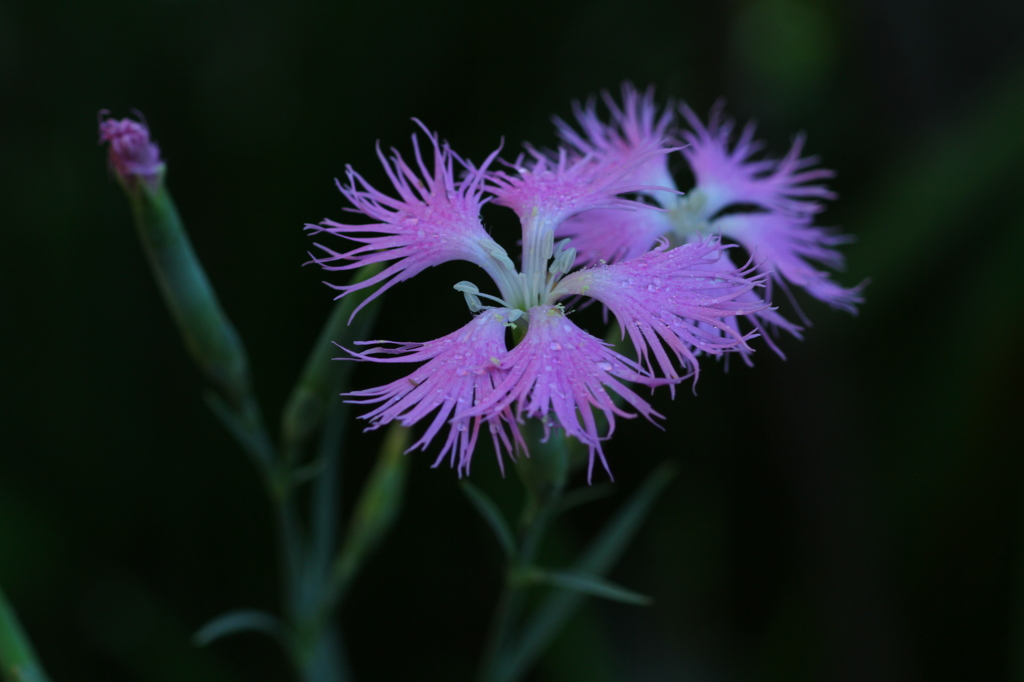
{"points": [[473, 296]]}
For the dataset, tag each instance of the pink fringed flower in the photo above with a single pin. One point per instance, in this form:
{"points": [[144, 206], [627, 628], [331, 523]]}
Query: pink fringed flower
{"points": [[765, 205], [786, 194], [434, 220], [672, 306], [634, 139], [132, 154], [785, 246]]}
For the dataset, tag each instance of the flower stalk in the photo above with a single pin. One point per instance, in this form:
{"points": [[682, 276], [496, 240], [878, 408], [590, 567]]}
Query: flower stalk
{"points": [[312, 424], [544, 476]]}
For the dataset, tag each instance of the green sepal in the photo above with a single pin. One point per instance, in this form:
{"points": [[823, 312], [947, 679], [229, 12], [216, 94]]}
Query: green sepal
{"points": [[242, 620], [208, 334], [493, 516]]}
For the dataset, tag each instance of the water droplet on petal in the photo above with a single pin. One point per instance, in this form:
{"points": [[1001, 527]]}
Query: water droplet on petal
{"points": [[605, 366], [556, 346]]}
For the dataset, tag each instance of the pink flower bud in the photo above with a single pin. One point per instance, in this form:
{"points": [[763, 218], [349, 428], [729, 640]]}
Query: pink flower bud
{"points": [[132, 153]]}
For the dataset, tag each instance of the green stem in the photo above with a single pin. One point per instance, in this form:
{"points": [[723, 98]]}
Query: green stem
{"points": [[216, 347], [544, 477], [314, 407], [507, 616], [18, 661], [327, 661]]}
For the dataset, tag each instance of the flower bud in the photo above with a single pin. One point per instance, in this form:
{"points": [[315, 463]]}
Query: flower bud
{"points": [[132, 154]]}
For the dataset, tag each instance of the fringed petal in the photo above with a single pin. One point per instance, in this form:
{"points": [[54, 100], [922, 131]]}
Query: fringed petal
{"points": [[461, 370], [636, 128], [561, 374], [728, 173], [671, 306], [434, 219], [784, 247]]}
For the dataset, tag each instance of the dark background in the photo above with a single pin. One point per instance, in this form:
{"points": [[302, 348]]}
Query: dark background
{"points": [[852, 513]]}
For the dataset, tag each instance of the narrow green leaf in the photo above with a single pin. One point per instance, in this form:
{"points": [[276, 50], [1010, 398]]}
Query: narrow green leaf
{"points": [[243, 620], [248, 434], [584, 495], [316, 407], [18, 662], [588, 584], [309, 472], [602, 553], [492, 515], [323, 377], [609, 545]]}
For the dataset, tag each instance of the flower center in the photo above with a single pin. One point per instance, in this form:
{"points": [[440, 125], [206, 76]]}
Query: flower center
{"points": [[543, 266], [689, 216]]}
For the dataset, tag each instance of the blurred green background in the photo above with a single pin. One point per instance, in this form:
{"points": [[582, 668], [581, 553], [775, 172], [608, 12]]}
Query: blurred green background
{"points": [[852, 513]]}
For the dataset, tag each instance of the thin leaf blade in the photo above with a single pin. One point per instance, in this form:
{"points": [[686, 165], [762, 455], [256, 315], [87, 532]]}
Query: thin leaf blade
{"points": [[602, 553], [235, 622], [589, 584], [492, 516]]}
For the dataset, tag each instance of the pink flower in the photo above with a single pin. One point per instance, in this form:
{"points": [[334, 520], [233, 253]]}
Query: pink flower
{"points": [[779, 235], [672, 309], [785, 246], [765, 205], [729, 173], [634, 139]]}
